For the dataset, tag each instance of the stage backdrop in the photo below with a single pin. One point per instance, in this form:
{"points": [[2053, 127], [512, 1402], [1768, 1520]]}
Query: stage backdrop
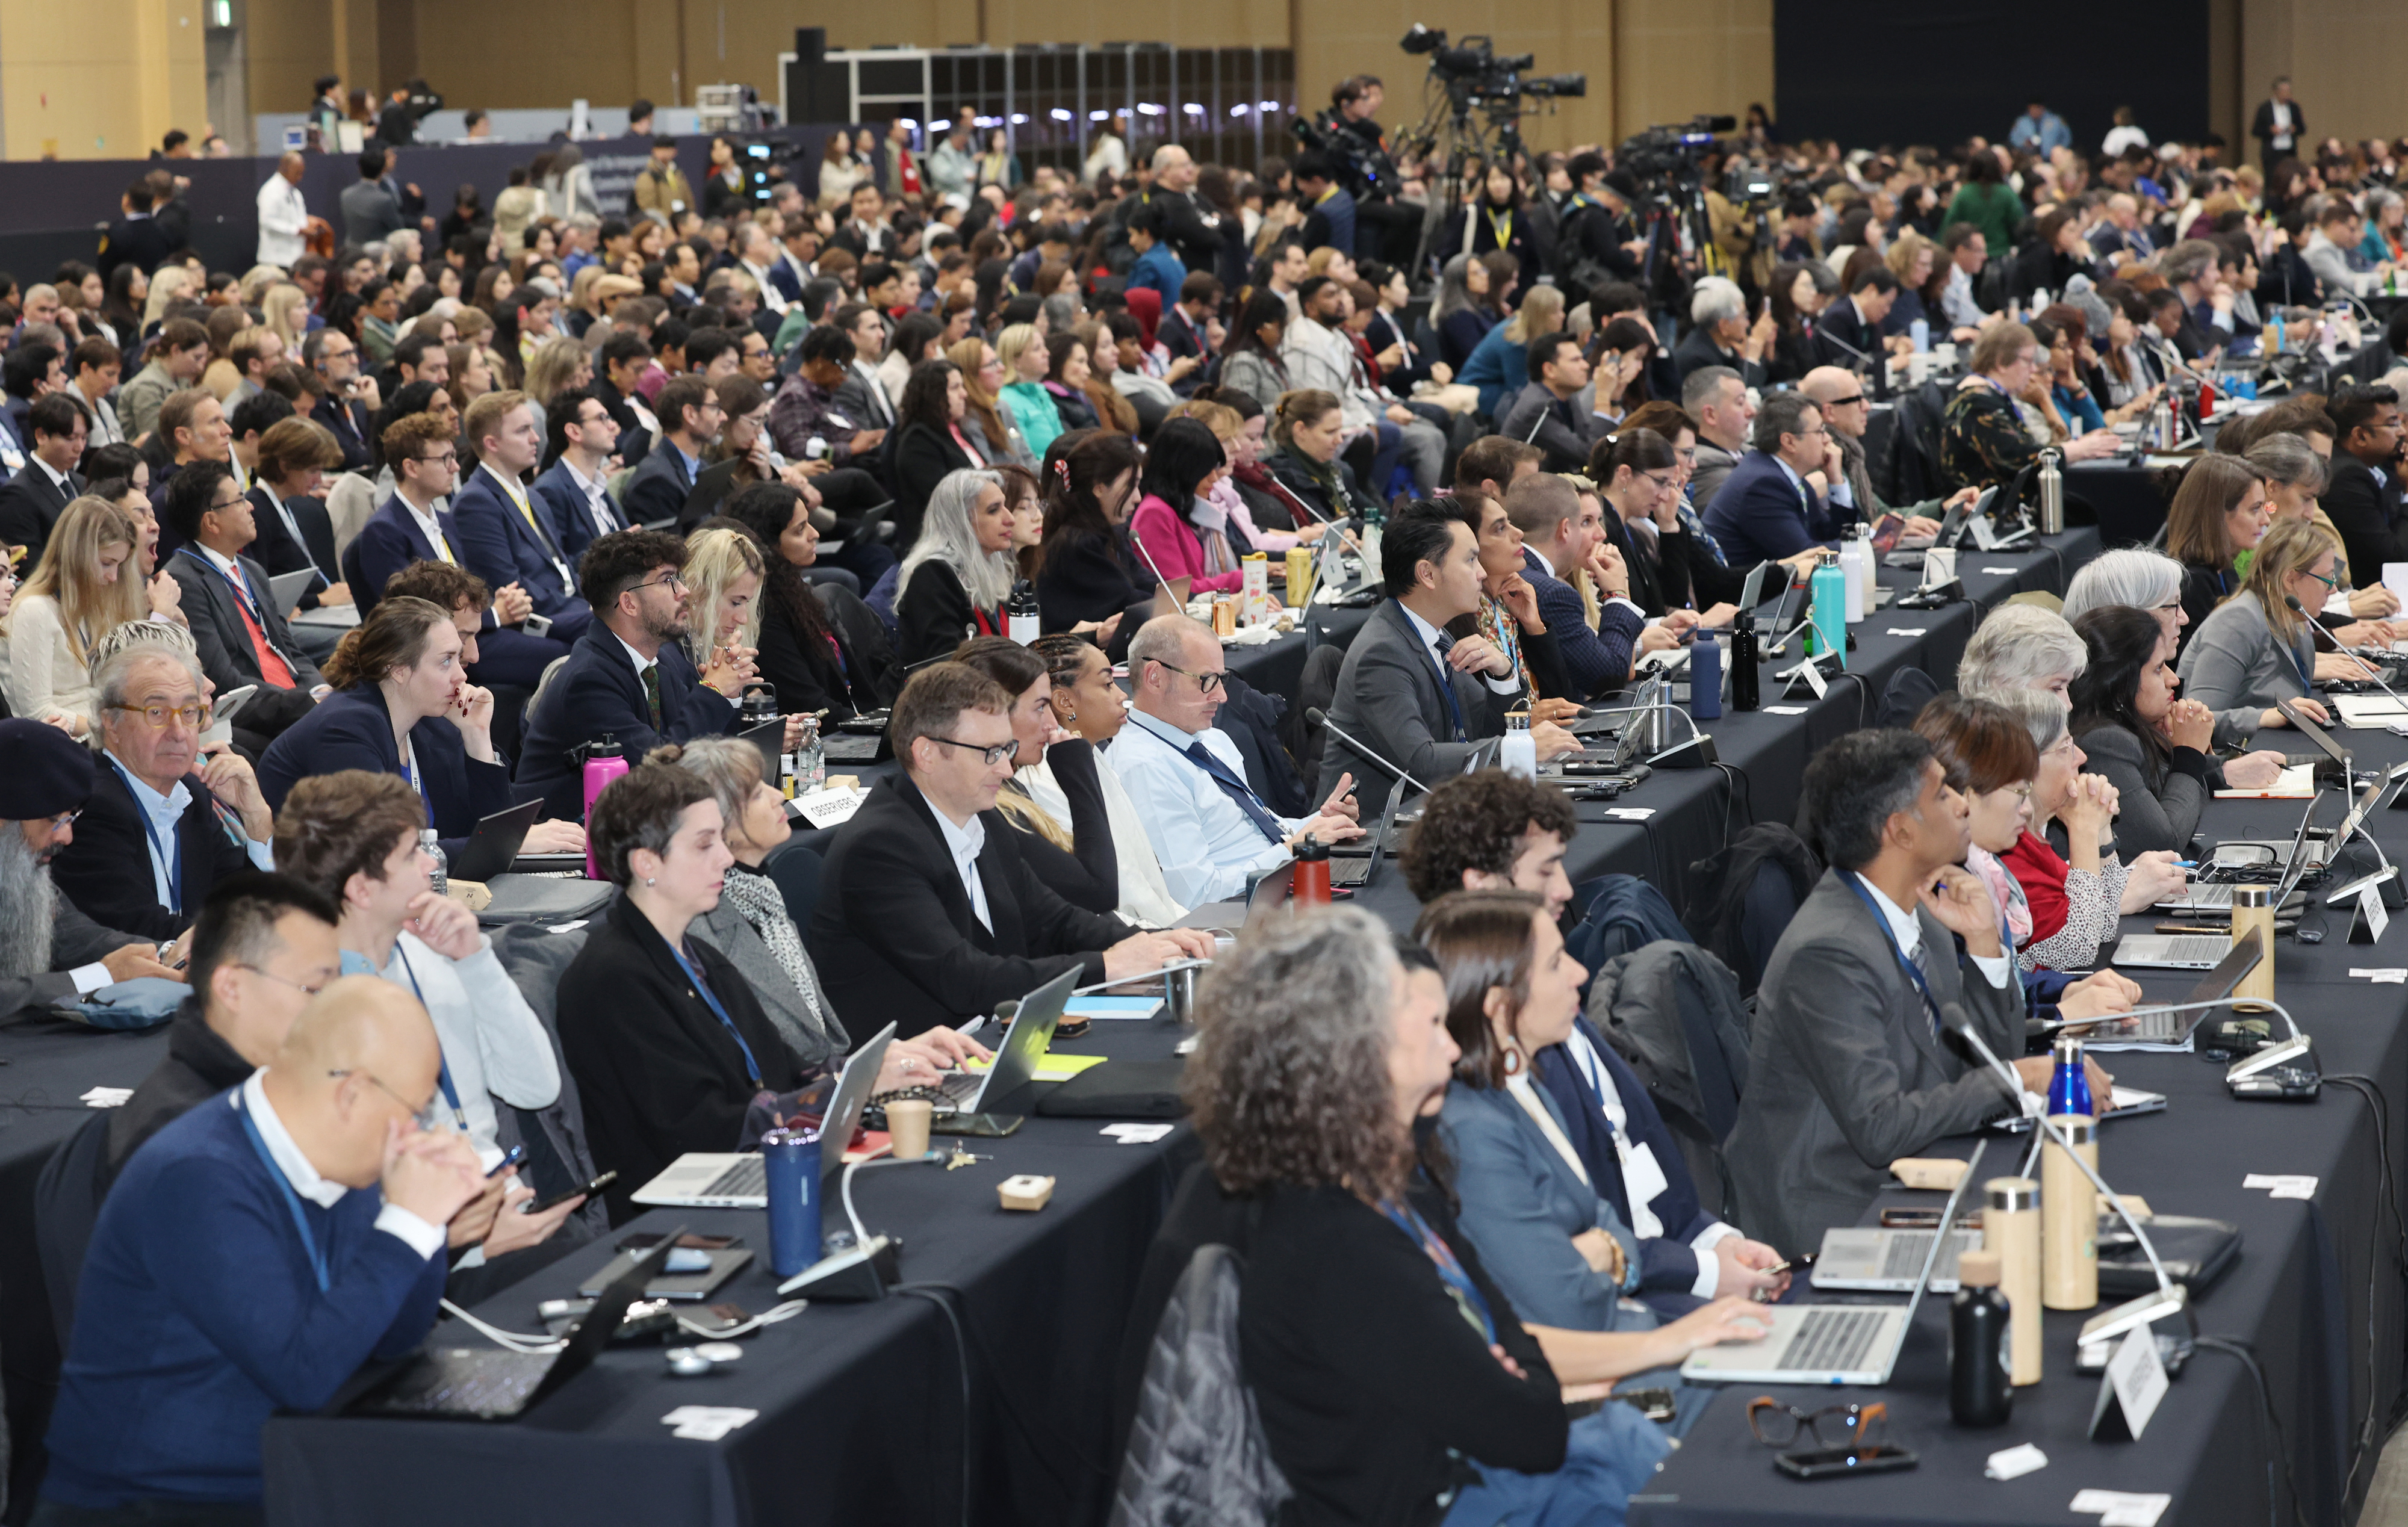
{"points": [[1868, 72]]}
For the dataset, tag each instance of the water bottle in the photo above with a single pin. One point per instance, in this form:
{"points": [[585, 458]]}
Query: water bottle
{"points": [[1852, 571], [1920, 332], [1020, 613], [811, 759], [1872, 560], [438, 878], [2051, 494], [2068, 1233], [1980, 1330], [601, 762], [1828, 589], [1311, 882], [2069, 1085], [1744, 659], [791, 1159], [1518, 753], [1705, 678]]}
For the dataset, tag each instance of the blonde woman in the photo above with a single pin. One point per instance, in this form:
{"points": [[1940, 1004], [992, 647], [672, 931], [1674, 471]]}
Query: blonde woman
{"points": [[558, 364], [1026, 404], [75, 597], [997, 438], [285, 309], [722, 579], [2255, 649], [172, 285]]}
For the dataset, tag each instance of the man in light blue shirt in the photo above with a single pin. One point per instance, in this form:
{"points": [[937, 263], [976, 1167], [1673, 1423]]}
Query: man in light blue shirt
{"points": [[2040, 131], [1210, 829]]}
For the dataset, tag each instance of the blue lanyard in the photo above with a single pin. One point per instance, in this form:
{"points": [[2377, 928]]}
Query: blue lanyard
{"points": [[240, 592], [442, 1063], [1445, 681], [752, 1066], [172, 870], [1449, 1271], [416, 780], [292, 1199], [1913, 972]]}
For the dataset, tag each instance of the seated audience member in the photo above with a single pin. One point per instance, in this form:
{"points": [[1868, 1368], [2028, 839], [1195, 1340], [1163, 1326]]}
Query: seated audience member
{"points": [[2156, 750], [241, 634], [1088, 704], [1983, 441], [2296, 475], [820, 648], [263, 945], [1087, 570], [751, 928], [1080, 863], [1847, 413], [2022, 646], [1178, 530], [1508, 608], [1308, 430], [2218, 516], [2368, 445], [575, 489], [414, 524], [51, 952], [2074, 896], [2258, 646], [1695, 569], [722, 590], [1770, 508], [665, 1037], [85, 586], [2151, 581], [928, 913], [1849, 1068], [628, 679], [959, 572], [250, 1258], [691, 417], [1563, 536], [929, 443], [1316, 1166], [294, 533], [163, 825], [504, 539], [1547, 413], [32, 500], [1637, 477], [1211, 830]]}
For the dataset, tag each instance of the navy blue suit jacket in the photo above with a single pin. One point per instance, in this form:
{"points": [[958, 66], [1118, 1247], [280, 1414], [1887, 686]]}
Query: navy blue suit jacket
{"points": [[1758, 514], [498, 545], [572, 526], [350, 729], [391, 541], [658, 490], [599, 695]]}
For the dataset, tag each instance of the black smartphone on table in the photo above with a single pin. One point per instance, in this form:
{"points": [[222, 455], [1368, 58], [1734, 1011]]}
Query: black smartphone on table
{"points": [[542, 1205], [1838, 1463]]}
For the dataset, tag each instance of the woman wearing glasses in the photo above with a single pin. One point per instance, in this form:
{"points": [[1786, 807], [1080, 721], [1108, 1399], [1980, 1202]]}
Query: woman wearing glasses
{"points": [[2257, 648]]}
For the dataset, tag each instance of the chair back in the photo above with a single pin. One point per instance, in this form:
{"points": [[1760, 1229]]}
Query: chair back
{"points": [[67, 1207]]}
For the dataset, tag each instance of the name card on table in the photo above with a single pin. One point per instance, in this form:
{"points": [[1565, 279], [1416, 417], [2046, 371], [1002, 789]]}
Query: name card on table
{"points": [[2128, 1395], [2367, 923], [829, 809]]}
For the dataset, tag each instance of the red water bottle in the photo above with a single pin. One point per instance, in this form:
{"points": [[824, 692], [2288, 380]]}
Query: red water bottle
{"points": [[1311, 882]]}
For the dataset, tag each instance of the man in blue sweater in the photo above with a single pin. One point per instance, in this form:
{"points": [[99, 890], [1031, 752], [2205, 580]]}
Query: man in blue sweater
{"points": [[250, 1258]]}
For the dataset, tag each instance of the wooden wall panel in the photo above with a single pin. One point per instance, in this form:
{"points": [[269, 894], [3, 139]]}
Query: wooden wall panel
{"points": [[1681, 57], [102, 80]]}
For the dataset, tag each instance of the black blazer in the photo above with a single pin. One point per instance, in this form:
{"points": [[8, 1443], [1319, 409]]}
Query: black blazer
{"points": [[1650, 586], [807, 681], [1844, 340], [2368, 514], [1088, 873], [598, 696], [1086, 577], [658, 490], [657, 1073], [933, 615], [349, 422], [351, 729], [280, 553], [922, 457], [894, 935], [106, 870], [30, 504]]}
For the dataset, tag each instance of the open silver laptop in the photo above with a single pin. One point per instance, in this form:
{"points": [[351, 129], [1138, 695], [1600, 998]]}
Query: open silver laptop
{"points": [[1877, 1260], [1830, 1343], [2205, 951], [739, 1179], [1033, 1020], [2218, 896], [286, 588]]}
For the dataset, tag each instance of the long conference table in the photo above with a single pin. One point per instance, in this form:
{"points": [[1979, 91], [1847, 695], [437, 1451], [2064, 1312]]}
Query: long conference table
{"points": [[983, 1391]]}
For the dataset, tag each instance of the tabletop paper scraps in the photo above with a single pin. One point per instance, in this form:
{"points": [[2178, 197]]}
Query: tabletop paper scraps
{"points": [[1910, 630], [707, 1424], [1630, 813], [1137, 1133], [2392, 976], [2014, 1463], [2122, 1508], [107, 1097], [1785, 711], [2001, 572], [2282, 1186]]}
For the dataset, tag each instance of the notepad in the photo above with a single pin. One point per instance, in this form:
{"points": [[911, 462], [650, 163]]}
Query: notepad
{"points": [[1079, 1009], [1049, 1067], [2360, 712], [2296, 783]]}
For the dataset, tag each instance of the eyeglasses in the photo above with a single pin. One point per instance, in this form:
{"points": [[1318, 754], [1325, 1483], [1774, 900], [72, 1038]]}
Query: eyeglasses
{"points": [[1661, 479], [990, 756], [1841, 402], [667, 581], [306, 990], [2330, 580], [1204, 683], [415, 1108], [195, 717], [67, 819], [1777, 1425], [450, 458]]}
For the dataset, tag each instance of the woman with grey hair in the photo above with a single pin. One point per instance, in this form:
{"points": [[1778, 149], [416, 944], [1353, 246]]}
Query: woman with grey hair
{"points": [[2022, 646], [2151, 581], [958, 574]]}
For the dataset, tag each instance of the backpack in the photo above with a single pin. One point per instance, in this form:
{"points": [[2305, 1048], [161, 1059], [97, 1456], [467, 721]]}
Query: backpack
{"points": [[1196, 1455]]}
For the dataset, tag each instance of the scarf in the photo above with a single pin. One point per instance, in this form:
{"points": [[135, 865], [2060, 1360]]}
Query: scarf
{"points": [[757, 899], [2005, 890], [1212, 525], [1497, 624]]}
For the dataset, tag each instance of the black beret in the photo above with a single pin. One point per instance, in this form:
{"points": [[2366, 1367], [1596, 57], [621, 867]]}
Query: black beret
{"points": [[43, 770]]}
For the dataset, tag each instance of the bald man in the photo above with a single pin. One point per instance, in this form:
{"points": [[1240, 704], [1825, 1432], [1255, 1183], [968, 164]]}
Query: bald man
{"points": [[1846, 414], [284, 215], [251, 1257]]}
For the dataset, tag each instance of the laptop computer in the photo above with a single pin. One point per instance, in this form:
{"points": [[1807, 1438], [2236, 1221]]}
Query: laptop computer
{"points": [[1355, 871], [1878, 1261], [739, 1179], [490, 1384], [2171, 1031], [492, 849], [1033, 1020], [286, 588], [2333, 752], [2203, 951], [2217, 895], [770, 738], [1831, 1344]]}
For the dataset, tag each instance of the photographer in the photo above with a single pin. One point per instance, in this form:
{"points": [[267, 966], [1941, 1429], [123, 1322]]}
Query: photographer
{"points": [[1597, 243], [1387, 226], [410, 103]]}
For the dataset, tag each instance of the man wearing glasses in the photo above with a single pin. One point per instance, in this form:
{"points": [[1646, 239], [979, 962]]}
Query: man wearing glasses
{"points": [[1840, 394], [347, 401], [1773, 505], [164, 825], [927, 914], [1209, 827]]}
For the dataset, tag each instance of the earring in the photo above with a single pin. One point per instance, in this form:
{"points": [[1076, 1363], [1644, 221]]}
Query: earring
{"points": [[647, 879], [1070, 715], [1512, 1064]]}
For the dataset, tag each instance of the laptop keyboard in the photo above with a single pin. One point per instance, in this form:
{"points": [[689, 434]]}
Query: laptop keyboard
{"points": [[1834, 1339], [478, 1383], [2218, 896], [960, 1085], [1350, 872], [2197, 948], [1906, 1253], [747, 1178]]}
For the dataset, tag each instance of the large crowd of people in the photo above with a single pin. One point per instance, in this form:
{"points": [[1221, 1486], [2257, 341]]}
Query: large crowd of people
{"points": [[557, 480]]}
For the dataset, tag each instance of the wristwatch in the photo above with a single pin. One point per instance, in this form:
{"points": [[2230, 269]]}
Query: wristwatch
{"points": [[167, 951]]}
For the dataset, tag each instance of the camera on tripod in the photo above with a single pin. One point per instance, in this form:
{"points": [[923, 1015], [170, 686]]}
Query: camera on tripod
{"points": [[1472, 71]]}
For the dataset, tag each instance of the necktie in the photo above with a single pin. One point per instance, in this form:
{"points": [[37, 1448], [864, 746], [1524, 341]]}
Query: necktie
{"points": [[1923, 965], [273, 669], [1445, 643], [1237, 789], [652, 692], [542, 538]]}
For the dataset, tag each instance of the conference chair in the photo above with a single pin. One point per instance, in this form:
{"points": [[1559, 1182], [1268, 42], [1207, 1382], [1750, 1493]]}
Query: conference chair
{"points": [[796, 870], [67, 1207]]}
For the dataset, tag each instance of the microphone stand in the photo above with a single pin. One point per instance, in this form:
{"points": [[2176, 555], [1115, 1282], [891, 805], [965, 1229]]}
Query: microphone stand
{"points": [[2373, 675], [1321, 718]]}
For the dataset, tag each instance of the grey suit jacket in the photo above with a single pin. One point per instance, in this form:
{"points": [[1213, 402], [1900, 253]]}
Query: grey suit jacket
{"points": [[2160, 817], [217, 629], [725, 929], [1844, 1074], [1388, 696], [2233, 659], [75, 940], [1523, 1204]]}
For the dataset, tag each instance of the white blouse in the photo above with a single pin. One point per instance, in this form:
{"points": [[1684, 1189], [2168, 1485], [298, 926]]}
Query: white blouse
{"points": [[1145, 895]]}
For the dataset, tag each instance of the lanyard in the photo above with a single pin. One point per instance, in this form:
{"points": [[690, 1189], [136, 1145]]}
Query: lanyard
{"points": [[443, 1064], [292, 1199], [1501, 228], [171, 871], [1913, 971], [752, 1066], [1449, 1271], [240, 592]]}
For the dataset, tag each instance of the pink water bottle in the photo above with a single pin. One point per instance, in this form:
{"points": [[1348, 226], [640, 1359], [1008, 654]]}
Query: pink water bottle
{"points": [[604, 761]]}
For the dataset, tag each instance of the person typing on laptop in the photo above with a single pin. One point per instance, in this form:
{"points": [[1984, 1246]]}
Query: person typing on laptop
{"points": [[928, 913], [1209, 828], [1849, 1068], [251, 1257]]}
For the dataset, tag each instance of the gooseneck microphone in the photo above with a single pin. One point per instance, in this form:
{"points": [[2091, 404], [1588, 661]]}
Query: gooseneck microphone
{"points": [[1321, 718], [2373, 674]]}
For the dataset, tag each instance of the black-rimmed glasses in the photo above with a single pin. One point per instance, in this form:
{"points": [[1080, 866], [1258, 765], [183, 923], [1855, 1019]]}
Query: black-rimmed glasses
{"points": [[992, 756], [1777, 1424], [1204, 683]]}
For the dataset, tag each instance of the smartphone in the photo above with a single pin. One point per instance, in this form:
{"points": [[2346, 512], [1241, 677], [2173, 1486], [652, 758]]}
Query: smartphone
{"points": [[540, 1205], [1835, 1462], [1886, 532], [646, 1240], [517, 1154], [984, 1126], [537, 625]]}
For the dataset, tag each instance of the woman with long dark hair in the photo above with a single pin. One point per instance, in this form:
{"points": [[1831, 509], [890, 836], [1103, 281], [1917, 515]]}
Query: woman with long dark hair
{"points": [[821, 647], [1250, 362], [1087, 572], [2156, 750], [929, 441], [1067, 371], [1177, 529]]}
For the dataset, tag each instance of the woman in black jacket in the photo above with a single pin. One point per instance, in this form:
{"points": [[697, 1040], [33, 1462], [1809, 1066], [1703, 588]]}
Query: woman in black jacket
{"points": [[1086, 573], [954, 583], [1691, 571], [822, 648], [928, 441], [1307, 429], [1084, 870]]}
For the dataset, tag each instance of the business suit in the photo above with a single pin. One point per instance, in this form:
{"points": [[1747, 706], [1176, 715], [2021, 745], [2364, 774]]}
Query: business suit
{"points": [[499, 544], [894, 933], [2262, 128], [107, 871], [1598, 662], [1843, 338], [351, 729], [572, 520], [369, 212], [2368, 512], [30, 504], [1697, 351], [76, 940], [598, 696], [1845, 1074], [656, 1071], [1555, 425], [634, 440], [391, 541], [1388, 696], [658, 490], [133, 242], [347, 421], [219, 632], [279, 552], [2160, 796], [1759, 514]]}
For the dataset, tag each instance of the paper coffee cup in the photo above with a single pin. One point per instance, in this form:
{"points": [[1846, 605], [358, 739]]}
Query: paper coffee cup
{"points": [[907, 1126]]}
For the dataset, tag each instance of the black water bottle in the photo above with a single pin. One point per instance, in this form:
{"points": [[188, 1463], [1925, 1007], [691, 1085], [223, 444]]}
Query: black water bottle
{"points": [[1744, 662], [1980, 1391]]}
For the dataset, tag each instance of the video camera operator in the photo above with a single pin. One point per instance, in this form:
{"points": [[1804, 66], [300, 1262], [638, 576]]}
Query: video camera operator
{"points": [[1357, 150], [409, 104]]}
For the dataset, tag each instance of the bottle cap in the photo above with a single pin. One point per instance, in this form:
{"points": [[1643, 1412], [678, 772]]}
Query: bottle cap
{"points": [[2068, 1051], [2252, 895], [2011, 1195], [1978, 1270], [1312, 849]]}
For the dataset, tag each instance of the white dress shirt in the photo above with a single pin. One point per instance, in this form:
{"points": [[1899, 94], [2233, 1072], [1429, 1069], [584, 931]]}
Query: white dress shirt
{"points": [[429, 527], [1207, 845], [394, 1220], [966, 843], [493, 1043], [595, 490], [165, 812], [1905, 927], [1509, 685], [283, 215]]}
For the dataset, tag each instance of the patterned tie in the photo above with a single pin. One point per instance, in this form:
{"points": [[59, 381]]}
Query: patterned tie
{"points": [[1237, 789], [1445, 643], [652, 691]]}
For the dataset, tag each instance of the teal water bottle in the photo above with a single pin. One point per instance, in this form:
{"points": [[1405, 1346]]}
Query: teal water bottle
{"points": [[1830, 587]]}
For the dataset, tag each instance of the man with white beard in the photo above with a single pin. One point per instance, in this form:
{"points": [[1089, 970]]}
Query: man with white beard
{"points": [[50, 952]]}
